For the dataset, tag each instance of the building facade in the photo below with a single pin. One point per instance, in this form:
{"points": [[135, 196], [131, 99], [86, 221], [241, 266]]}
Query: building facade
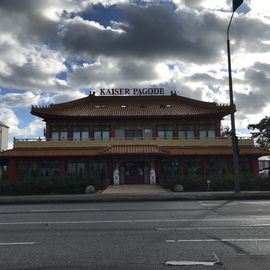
{"points": [[3, 143], [130, 140], [3, 136]]}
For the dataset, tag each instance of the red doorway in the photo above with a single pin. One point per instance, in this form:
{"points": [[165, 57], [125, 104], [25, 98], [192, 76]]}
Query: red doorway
{"points": [[133, 172]]}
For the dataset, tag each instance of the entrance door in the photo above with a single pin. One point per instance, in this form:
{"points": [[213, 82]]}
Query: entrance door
{"points": [[134, 172]]}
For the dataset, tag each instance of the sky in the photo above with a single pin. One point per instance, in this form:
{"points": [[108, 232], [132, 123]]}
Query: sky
{"points": [[59, 50]]}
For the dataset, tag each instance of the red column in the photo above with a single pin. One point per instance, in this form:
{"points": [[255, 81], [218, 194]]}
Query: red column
{"points": [[181, 167], [157, 167], [110, 172], [197, 130], [63, 168], [229, 165], [12, 169], [217, 130], [112, 132], [175, 135], [255, 165], [204, 168], [48, 132]]}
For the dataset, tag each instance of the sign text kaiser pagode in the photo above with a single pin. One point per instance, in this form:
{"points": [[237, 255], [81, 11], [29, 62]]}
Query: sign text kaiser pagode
{"points": [[131, 91]]}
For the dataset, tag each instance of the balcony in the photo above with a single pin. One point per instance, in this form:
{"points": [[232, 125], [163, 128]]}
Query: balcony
{"points": [[91, 143]]}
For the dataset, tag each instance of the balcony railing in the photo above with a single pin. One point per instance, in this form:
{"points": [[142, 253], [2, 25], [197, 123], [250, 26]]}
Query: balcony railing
{"points": [[174, 142]]}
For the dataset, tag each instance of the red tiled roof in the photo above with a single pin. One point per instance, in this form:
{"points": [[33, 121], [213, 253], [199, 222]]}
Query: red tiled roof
{"points": [[130, 149], [215, 151], [50, 152], [134, 149], [132, 107]]}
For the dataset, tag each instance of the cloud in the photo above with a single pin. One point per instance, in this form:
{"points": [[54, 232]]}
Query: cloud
{"points": [[54, 49], [151, 32]]}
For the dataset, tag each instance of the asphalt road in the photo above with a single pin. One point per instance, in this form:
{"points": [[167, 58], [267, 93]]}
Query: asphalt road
{"points": [[136, 235]]}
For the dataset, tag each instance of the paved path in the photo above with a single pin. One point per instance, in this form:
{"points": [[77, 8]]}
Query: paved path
{"points": [[115, 189]]}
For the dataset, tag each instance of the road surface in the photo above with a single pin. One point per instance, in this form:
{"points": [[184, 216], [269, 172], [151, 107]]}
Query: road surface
{"points": [[136, 235]]}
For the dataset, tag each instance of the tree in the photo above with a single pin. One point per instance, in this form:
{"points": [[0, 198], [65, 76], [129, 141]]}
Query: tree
{"points": [[225, 131], [262, 136]]}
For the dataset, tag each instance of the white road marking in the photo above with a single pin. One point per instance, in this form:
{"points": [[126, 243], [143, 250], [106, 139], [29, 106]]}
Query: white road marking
{"points": [[210, 204], [189, 263], [134, 221], [219, 240], [17, 243], [257, 202], [62, 210], [213, 228]]}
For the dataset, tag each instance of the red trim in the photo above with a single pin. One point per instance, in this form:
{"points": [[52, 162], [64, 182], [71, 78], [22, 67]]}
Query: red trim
{"points": [[63, 168], [255, 165], [204, 168], [229, 165], [12, 169]]}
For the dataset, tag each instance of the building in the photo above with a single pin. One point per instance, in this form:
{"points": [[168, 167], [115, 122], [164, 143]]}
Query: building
{"points": [[130, 139], [3, 136], [3, 144]]}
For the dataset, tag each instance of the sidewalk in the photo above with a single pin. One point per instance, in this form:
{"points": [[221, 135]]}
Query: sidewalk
{"points": [[163, 195]]}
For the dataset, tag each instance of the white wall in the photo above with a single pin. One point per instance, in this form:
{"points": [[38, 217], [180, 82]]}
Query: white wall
{"points": [[3, 138]]}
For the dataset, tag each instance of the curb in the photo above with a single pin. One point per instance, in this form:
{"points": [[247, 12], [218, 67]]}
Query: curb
{"points": [[128, 197]]}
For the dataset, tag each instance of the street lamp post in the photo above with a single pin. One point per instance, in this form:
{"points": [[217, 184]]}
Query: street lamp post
{"points": [[236, 4]]}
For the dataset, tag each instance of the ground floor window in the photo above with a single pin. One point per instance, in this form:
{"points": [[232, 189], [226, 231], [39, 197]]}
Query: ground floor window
{"points": [[245, 166], [216, 167], [170, 167], [27, 168], [192, 167], [98, 169], [3, 171], [50, 168], [76, 169]]}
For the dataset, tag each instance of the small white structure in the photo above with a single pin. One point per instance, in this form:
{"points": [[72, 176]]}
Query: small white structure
{"points": [[3, 136], [152, 177], [116, 177], [264, 163]]}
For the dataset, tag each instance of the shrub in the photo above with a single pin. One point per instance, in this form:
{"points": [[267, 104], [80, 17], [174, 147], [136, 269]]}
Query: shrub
{"points": [[37, 186]]}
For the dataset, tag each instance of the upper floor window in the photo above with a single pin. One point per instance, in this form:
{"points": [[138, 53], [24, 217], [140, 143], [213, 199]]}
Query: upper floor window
{"points": [[101, 133], [186, 132], [59, 134], [207, 132], [80, 134], [165, 132], [133, 133]]}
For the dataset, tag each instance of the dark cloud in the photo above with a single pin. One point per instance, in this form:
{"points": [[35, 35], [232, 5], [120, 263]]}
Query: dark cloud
{"points": [[151, 32], [257, 78], [250, 33]]}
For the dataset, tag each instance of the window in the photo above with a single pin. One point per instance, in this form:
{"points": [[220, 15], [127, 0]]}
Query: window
{"points": [[80, 134], [192, 167], [170, 168], [186, 132], [207, 132], [133, 133], [28, 169], [59, 134], [216, 167], [99, 170], [76, 169], [163, 106], [165, 132], [244, 166], [50, 168], [101, 133]]}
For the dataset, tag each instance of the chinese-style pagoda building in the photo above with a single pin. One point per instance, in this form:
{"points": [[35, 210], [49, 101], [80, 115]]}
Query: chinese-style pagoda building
{"points": [[132, 139]]}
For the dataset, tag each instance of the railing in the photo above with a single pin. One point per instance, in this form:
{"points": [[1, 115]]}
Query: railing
{"points": [[174, 142]]}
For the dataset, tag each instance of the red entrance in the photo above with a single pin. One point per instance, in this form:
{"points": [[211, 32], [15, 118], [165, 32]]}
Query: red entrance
{"points": [[134, 172]]}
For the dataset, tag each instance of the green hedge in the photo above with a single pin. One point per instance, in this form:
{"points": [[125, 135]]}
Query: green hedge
{"points": [[217, 183], [53, 185]]}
